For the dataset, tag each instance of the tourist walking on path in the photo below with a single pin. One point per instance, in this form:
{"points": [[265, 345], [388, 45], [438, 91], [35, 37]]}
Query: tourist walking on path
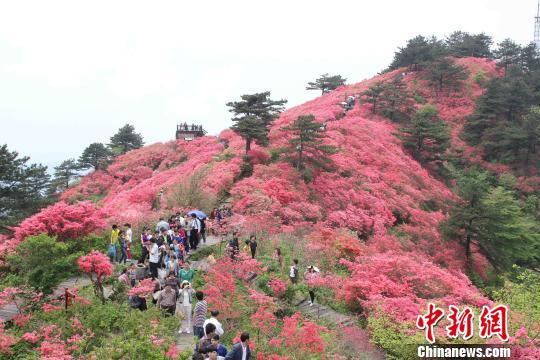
{"points": [[186, 273], [221, 349], [293, 272], [194, 233], [278, 257], [167, 300], [145, 243], [199, 314], [153, 250], [311, 274], [162, 224], [213, 320], [129, 239], [186, 298], [123, 246], [205, 344], [112, 244], [253, 245], [240, 351], [203, 230]]}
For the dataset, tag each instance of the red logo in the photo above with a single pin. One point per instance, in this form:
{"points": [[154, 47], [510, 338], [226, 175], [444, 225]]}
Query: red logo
{"points": [[429, 321], [494, 322], [491, 322]]}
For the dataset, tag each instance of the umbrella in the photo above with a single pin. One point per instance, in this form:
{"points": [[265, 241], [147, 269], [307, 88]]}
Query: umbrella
{"points": [[198, 213]]}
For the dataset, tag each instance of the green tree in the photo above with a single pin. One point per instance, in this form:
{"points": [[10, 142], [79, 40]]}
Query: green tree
{"points": [[372, 95], [427, 136], [494, 219], [418, 51], [506, 234], [64, 174], [464, 219], [444, 74], [396, 101], [253, 116], [508, 53], [126, 139], [22, 188], [326, 83], [531, 131], [306, 146], [40, 272], [95, 156], [529, 59], [463, 44]]}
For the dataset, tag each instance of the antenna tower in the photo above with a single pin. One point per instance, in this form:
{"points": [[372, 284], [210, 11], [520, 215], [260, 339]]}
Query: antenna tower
{"points": [[537, 27]]}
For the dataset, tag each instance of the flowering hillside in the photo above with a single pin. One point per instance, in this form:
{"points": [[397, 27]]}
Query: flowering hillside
{"points": [[376, 216]]}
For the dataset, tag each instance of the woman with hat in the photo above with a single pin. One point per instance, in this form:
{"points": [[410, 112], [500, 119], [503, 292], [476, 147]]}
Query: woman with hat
{"points": [[186, 298]]}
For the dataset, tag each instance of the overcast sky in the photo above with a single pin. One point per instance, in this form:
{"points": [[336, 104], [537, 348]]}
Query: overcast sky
{"points": [[73, 72]]}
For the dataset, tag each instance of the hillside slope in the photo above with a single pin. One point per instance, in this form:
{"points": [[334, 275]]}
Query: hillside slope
{"points": [[395, 255]]}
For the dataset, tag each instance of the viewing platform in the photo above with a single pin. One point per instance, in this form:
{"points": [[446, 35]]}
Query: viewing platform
{"points": [[189, 132]]}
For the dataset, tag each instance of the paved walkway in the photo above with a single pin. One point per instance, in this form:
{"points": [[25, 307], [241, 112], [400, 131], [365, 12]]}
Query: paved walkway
{"points": [[333, 318], [10, 311], [187, 341]]}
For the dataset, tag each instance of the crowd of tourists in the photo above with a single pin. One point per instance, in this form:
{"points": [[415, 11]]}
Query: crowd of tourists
{"points": [[164, 260], [165, 249]]}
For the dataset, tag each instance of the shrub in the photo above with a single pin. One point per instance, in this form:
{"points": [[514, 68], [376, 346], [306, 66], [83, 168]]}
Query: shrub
{"points": [[42, 262]]}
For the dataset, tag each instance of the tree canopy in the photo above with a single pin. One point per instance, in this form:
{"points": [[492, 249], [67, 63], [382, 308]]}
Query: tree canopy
{"points": [[22, 187], [306, 146], [326, 83], [95, 156], [427, 136], [463, 44], [126, 139], [443, 74], [253, 116], [64, 174]]}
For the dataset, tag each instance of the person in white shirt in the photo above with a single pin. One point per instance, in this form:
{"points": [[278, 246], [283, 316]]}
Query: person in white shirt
{"points": [[153, 250], [213, 320], [186, 298], [195, 229], [129, 239]]}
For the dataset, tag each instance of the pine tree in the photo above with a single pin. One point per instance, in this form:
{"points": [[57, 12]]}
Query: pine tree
{"points": [[22, 187], [64, 174], [95, 156], [126, 139], [373, 94], [395, 101], [493, 218], [426, 136], [496, 124], [253, 116], [508, 53], [444, 74], [326, 83], [506, 235], [306, 146], [418, 51], [464, 217], [529, 59], [462, 44], [531, 129]]}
